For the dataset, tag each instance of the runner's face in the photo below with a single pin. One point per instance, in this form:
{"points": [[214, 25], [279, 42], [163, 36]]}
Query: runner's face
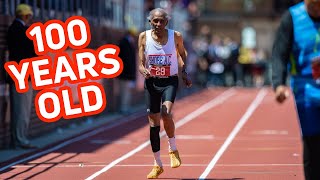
{"points": [[158, 22], [313, 7]]}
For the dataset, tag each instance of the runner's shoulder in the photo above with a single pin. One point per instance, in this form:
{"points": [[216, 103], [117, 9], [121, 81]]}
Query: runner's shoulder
{"points": [[142, 37], [177, 36], [142, 34]]}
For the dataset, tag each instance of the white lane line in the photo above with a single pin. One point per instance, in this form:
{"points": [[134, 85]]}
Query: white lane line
{"points": [[79, 138], [214, 102], [195, 137], [262, 93], [148, 165], [270, 132]]}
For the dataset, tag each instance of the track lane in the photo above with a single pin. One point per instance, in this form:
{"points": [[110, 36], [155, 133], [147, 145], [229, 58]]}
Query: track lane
{"points": [[198, 141], [195, 153], [92, 155], [186, 120], [267, 147]]}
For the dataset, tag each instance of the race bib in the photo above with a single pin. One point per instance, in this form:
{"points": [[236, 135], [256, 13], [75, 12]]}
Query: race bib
{"points": [[316, 68], [160, 70], [160, 64]]}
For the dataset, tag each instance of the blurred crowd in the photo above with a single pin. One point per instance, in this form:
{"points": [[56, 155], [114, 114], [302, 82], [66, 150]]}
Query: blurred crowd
{"points": [[215, 60]]}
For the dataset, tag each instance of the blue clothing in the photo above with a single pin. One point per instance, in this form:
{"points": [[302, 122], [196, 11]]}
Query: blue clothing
{"points": [[305, 47]]}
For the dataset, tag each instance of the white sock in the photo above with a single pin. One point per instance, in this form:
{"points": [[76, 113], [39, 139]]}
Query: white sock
{"points": [[157, 160], [172, 144]]}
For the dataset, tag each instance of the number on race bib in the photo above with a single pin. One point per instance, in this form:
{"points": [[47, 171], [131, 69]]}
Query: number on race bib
{"points": [[160, 71]]}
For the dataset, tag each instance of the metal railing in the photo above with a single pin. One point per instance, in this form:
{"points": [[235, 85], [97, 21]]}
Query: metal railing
{"points": [[113, 13]]}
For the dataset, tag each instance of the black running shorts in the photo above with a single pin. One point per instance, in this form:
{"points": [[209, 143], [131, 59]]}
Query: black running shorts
{"points": [[159, 90]]}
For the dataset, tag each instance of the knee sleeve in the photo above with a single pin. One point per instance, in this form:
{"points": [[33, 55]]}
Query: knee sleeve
{"points": [[155, 138]]}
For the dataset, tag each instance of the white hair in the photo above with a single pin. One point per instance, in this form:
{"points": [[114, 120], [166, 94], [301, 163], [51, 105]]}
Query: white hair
{"points": [[160, 10]]}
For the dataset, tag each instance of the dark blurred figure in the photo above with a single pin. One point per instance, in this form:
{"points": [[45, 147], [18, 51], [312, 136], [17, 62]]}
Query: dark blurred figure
{"points": [[20, 47], [259, 68], [216, 56], [231, 61], [202, 72], [297, 44], [128, 76]]}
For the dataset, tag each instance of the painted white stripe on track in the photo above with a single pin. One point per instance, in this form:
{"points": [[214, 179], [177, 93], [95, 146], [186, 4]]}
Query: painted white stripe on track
{"points": [[195, 137], [262, 93], [214, 102]]}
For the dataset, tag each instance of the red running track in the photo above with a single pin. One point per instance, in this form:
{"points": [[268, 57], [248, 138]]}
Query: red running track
{"points": [[222, 134]]}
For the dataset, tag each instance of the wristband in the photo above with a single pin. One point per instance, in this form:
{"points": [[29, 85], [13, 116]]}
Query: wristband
{"points": [[184, 71]]}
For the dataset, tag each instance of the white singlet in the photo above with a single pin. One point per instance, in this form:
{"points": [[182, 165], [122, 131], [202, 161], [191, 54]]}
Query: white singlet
{"points": [[161, 60]]}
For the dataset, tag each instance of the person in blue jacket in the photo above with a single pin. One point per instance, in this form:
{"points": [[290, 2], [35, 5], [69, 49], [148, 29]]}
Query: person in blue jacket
{"points": [[296, 50]]}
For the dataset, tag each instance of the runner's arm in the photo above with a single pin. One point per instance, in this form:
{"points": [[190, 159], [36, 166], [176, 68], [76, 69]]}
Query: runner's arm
{"points": [[183, 55], [181, 50], [281, 50], [280, 57], [142, 59]]}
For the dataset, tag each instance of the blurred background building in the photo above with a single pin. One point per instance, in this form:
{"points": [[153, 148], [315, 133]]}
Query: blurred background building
{"points": [[238, 34], [241, 19]]}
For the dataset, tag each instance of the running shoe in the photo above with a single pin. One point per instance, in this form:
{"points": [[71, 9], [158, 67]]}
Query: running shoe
{"points": [[155, 172], [175, 159]]}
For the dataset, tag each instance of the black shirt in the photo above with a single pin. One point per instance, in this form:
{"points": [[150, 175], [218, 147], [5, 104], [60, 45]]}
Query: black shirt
{"points": [[19, 45], [128, 56]]}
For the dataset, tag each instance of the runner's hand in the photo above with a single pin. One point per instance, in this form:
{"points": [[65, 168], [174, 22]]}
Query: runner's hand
{"points": [[187, 81], [145, 73], [282, 93]]}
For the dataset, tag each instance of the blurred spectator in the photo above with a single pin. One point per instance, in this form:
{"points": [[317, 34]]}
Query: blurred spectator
{"points": [[259, 68], [192, 60], [20, 47], [202, 73], [216, 56], [251, 67], [128, 76], [230, 61], [244, 68]]}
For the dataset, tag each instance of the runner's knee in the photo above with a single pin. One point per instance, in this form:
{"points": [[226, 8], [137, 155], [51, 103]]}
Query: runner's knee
{"points": [[154, 119], [166, 115]]}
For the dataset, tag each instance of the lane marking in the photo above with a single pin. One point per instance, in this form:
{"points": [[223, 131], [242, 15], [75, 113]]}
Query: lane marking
{"points": [[270, 132], [73, 140], [256, 102], [266, 138], [195, 137], [214, 102], [83, 165], [264, 173]]}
